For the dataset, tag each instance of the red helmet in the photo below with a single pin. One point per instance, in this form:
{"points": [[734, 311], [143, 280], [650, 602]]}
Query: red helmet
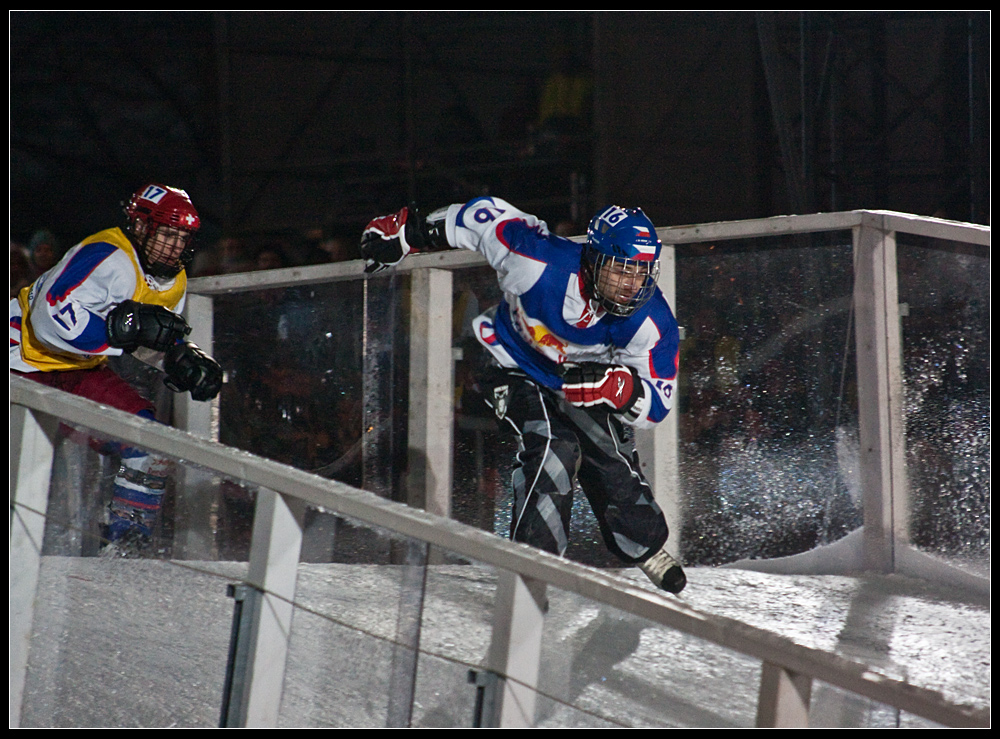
{"points": [[152, 207]]}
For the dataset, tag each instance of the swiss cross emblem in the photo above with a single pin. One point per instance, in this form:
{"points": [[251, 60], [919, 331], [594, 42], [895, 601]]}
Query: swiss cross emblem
{"points": [[189, 218]]}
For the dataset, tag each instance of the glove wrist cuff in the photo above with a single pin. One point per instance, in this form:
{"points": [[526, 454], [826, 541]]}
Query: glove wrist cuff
{"points": [[636, 409]]}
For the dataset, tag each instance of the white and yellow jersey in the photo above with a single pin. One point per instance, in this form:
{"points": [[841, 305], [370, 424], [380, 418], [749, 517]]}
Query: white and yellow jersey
{"points": [[58, 322]]}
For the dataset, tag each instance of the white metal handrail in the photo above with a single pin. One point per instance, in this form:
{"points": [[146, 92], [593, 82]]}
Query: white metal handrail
{"points": [[788, 668], [885, 544], [34, 405], [970, 233]]}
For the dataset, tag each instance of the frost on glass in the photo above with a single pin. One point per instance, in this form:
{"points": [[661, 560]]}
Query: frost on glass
{"points": [[767, 406], [944, 294]]}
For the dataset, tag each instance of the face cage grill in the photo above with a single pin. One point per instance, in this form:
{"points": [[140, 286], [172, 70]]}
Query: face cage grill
{"points": [[607, 285], [153, 254]]}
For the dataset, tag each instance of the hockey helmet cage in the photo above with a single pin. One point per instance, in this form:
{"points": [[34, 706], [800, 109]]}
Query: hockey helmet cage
{"points": [[149, 209], [621, 259]]}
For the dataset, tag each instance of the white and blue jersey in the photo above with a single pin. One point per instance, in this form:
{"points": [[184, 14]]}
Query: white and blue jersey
{"points": [[546, 317]]}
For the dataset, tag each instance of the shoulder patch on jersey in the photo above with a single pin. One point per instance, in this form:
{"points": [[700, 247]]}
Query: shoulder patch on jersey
{"points": [[79, 268]]}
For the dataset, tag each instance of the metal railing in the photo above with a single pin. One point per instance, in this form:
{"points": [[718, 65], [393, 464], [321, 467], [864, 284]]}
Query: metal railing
{"points": [[885, 544], [788, 668]]}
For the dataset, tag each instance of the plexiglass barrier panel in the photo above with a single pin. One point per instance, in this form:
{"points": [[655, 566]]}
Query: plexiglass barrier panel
{"points": [[385, 640], [202, 515], [376, 645], [767, 407], [113, 644], [482, 461], [602, 667], [317, 379], [944, 294], [121, 642], [294, 359], [342, 646], [457, 627]]}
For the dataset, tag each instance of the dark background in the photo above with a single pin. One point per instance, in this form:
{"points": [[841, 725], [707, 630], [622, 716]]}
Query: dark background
{"points": [[293, 125]]}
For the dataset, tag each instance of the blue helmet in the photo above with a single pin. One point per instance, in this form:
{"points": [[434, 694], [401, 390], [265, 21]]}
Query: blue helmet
{"points": [[621, 259]]}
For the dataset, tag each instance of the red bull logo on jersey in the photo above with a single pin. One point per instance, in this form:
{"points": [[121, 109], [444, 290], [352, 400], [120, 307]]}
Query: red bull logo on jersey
{"points": [[538, 335], [545, 338]]}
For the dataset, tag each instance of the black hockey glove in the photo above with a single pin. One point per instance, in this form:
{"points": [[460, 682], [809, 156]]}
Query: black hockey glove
{"points": [[388, 239], [189, 368], [131, 325], [591, 384]]}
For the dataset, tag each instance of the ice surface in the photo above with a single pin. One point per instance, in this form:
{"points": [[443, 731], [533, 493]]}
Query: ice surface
{"points": [[144, 643]]}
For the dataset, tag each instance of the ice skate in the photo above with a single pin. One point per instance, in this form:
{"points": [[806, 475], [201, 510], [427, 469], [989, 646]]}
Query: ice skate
{"points": [[665, 572], [133, 543]]}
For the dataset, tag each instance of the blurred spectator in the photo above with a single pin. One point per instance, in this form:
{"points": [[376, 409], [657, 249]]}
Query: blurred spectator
{"points": [[567, 229], [233, 256], [20, 269], [338, 249], [564, 102], [43, 251], [270, 256], [205, 263], [27, 263]]}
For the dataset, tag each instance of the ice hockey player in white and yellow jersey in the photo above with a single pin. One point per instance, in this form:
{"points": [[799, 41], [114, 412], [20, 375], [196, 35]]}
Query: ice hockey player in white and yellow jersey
{"points": [[117, 291]]}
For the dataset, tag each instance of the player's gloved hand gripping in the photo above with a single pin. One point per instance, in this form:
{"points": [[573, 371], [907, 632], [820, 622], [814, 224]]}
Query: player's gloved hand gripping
{"points": [[189, 368], [388, 239], [131, 324], [590, 384]]}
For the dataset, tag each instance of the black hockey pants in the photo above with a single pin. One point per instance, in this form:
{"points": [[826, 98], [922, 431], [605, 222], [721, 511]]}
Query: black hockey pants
{"points": [[558, 444]]}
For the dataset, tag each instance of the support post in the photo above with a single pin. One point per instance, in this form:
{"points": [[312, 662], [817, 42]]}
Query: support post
{"points": [[195, 490], [881, 429], [431, 410], [32, 449], [197, 417], [274, 559], [658, 446], [784, 698], [515, 651]]}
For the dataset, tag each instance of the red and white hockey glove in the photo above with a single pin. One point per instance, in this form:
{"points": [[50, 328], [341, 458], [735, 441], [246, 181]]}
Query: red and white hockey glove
{"points": [[388, 239], [591, 383]]}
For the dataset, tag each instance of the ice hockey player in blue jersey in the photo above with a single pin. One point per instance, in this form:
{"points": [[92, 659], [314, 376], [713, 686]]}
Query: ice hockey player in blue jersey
{"points": [[582, 345]]}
